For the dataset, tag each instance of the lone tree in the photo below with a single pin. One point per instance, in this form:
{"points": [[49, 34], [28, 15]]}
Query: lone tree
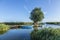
{"points": [[36, 16]]}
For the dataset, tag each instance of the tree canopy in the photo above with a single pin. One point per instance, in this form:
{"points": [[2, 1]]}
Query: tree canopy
{"points": [[36, 15]]}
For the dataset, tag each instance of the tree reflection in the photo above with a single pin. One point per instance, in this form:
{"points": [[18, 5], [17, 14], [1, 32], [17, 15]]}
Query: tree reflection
{"points": [[2, 32]]}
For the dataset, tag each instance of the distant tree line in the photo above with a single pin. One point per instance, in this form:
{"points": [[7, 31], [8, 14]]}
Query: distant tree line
{"points": [[56, 23], [17, 23]]}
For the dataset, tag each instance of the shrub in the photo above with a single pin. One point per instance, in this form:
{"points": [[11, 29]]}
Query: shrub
{"points": [[3, 28], [46, 34]]}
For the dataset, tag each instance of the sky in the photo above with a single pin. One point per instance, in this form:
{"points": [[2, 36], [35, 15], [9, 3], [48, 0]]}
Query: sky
{"points": [[19, 10]]}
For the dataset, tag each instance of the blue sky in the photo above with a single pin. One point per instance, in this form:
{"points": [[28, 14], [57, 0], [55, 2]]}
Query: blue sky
{"points": [[19, 10]]}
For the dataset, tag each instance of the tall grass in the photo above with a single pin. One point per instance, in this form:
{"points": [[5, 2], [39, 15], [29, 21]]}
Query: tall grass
{"points": [[3, 28], [46, 34]]}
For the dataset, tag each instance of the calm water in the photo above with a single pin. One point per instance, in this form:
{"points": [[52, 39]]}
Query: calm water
{"points": [[17, 34], [22, 33]]}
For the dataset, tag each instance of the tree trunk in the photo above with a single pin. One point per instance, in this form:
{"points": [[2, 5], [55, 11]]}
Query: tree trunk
{"points": [[35, 26]]}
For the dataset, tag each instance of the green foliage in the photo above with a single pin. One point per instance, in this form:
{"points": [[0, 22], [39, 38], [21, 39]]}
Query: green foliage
{"points": [[46, 34], [2, 32], [36, 15], [56, 23], [3, 27], [18, 23]]}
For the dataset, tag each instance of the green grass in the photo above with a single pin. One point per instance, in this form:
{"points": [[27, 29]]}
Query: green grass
{"points": [[3, 28], [46, 34]]}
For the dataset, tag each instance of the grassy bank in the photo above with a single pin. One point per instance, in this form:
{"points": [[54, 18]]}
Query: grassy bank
{"points": [[3, 28], [46, 34]]}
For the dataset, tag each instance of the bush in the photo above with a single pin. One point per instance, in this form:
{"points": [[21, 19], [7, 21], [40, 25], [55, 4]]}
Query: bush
{"points": [[46, 34], [3, 28]]}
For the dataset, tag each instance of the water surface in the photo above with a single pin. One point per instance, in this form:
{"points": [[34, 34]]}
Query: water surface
{"points": [[22, 33]]}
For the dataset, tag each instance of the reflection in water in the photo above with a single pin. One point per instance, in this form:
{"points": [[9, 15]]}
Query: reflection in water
{"points": [[2, 32], [26, 27], [51, 25], [16, 34], [35, 28], [20, 34]]}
